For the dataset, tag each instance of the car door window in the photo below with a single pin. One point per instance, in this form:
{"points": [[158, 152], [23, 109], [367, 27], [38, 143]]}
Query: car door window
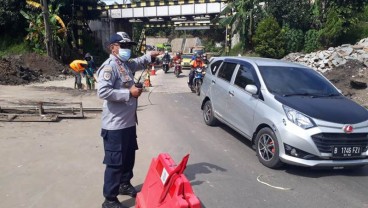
{"points": [[215, 66], [244, 77], [226, 71]]}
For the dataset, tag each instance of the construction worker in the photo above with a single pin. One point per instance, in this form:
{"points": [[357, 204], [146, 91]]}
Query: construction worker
{"points": [[89, 72], [78, 67], [197, 62], [119, 116]]}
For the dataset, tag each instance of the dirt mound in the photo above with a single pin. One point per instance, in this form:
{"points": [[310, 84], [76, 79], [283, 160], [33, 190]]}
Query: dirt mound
{"points": [[27, 68], [345, 75]]}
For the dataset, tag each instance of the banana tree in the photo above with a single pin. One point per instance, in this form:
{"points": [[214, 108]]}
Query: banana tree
{"points": [[242, 15], [36, 30]]}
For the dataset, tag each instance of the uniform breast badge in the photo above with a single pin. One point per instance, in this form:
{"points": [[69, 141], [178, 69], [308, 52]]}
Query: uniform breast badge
{"points": [[107, 72]]}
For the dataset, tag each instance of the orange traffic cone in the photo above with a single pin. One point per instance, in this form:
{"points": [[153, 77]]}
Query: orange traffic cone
{"points": [[153, 72], [147, 81]]}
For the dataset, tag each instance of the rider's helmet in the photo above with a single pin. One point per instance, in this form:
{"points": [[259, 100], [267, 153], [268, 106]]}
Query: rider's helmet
{"points": [[166, 52], [178, 54], [88, 57]]}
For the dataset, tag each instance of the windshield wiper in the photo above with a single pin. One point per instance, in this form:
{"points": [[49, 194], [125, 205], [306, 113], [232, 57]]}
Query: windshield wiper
{"points": [[311, 95], [299, 94], [328, 95]]}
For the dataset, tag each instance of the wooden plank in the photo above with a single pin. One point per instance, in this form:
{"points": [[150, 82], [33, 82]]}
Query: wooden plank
{"points": [[28, 118]]}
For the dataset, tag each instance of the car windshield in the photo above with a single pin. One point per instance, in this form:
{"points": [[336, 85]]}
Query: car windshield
{"points": [[294, 81], [186, 56]]}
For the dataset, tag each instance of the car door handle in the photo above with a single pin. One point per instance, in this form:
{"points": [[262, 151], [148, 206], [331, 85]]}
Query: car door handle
{"points": [[213, 82], [231, 93]]}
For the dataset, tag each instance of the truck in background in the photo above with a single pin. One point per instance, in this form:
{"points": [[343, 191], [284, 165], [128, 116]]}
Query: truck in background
{"points": [[198, 50], [164, 47]]}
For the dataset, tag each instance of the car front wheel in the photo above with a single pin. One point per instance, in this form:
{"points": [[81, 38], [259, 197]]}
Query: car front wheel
{"points": [[267, 147]]}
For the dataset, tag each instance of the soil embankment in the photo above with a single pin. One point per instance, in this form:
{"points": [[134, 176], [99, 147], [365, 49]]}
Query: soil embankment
{"points": [[28, 68]]}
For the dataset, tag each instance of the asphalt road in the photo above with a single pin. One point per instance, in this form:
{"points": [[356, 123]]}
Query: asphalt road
{"points": [[60, 164], [223, 168]]}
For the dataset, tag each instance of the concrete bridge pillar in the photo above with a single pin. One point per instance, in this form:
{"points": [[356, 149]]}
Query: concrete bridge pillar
{"points": [[104, 28]]}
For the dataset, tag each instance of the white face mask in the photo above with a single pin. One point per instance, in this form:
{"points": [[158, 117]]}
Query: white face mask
{"points": [[124, 54]]}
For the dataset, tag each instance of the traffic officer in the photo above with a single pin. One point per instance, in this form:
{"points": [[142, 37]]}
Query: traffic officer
{"points": [[116, 87]]}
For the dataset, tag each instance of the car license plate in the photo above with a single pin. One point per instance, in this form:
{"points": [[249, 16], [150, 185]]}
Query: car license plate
{"points": [[346, 151]]}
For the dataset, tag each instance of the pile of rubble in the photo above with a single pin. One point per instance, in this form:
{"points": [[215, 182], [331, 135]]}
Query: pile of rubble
{"points": [[333, 57], [28, 68]]}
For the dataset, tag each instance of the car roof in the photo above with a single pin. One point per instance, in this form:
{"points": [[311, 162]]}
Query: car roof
{"points": [[260, 61]]}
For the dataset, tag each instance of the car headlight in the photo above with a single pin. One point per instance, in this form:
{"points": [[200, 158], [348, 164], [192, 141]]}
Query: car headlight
{"points": [[298, 118]]}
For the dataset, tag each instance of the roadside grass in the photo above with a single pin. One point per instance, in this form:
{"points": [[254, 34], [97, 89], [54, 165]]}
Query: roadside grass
{"points": [[237, 50], [9, 46]]}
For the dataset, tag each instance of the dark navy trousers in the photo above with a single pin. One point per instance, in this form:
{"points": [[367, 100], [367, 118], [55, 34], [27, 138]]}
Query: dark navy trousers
{"points": [[120, 147]]}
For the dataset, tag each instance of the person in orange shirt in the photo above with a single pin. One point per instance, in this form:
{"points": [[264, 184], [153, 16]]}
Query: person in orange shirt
{"points": [[197, 62], [78, 67]]}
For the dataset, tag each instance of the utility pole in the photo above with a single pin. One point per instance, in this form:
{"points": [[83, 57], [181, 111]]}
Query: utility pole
{"points": [[48, 34]]}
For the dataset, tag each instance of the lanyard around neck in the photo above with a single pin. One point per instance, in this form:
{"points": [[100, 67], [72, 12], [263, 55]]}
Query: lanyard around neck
{"points": [[122, 69]]}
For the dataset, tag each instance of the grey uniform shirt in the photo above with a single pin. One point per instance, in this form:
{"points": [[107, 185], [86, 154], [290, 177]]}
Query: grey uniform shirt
{"points": [[119, 109]]}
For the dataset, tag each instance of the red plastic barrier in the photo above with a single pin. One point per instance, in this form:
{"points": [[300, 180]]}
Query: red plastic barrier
{"points": [[165, 186]]}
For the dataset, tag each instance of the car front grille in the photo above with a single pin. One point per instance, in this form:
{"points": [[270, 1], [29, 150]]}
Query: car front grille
{"points": [[325, 141]]}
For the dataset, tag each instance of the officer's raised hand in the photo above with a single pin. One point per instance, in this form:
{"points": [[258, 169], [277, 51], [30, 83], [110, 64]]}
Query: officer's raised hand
{"points": [[135, 91], [155, 53]]}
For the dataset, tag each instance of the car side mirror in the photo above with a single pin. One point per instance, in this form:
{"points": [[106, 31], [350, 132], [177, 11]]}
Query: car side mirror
{"points": [[252, 89]]}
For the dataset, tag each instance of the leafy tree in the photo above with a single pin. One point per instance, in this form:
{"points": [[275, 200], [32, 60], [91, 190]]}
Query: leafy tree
{"points": [[311, 41], [269, 39], [243, 18], [332, 30], [63, 23], [295, 13], [11, 21], [336, 19], [36, 31], [358, 31], [294, 39]]}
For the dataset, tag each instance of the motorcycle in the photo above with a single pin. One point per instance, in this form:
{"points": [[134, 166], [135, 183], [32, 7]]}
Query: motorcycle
{"points": [[165, 65], [177, 68], [197, 80]]}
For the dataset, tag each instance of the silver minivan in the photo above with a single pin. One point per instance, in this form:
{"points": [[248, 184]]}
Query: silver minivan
{"points": [[290, 112]]}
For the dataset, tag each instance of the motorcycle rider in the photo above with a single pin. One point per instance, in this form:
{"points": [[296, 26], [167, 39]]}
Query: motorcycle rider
{"points": [[177, 60], [194, 56], [197, 62], [166, 58], [204, 58]]}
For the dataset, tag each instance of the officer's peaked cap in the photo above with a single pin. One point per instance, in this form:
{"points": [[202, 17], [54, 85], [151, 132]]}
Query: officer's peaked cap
{"points": [[115, 38], [125, 38]]}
